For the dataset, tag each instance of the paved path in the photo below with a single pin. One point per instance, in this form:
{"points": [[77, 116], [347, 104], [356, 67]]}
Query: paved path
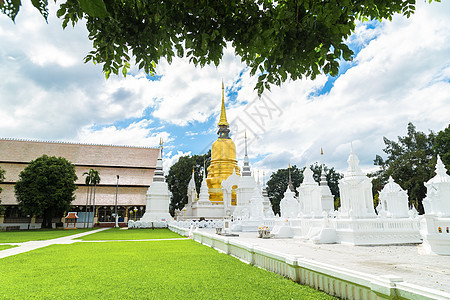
{"points": [[70, 239], [32, 245], [406, 261]]}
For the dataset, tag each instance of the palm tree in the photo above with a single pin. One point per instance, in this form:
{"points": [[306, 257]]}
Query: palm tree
{"points": [[88, 184], [95, 179]]}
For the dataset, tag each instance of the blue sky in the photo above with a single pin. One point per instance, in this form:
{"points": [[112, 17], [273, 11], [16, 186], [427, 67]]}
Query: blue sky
{"points": [[400, 74]]}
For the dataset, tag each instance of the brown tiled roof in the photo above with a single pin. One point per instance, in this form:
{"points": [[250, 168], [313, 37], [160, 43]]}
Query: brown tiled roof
{"points": [[79, 154]]}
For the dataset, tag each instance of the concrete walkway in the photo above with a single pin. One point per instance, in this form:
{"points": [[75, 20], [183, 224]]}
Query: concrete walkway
{"points": [[70, 239], [406, 261], [32, 245]]}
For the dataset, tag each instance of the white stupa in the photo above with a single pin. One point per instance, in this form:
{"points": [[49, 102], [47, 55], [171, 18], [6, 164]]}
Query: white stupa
{"points": [[192, 190], [289, 205], [437, 201], [394, 200], [256, 205], [268, 210], [158, 197], [204, 196], [327, 198], [246, 183], [310, 195], [356, 191]]}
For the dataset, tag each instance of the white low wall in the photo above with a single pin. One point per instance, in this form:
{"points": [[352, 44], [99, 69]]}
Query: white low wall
{"points": [[340, 282]]}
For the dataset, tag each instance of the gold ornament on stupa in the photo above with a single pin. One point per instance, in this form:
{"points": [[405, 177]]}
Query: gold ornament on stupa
{"points": [[223, 159]]}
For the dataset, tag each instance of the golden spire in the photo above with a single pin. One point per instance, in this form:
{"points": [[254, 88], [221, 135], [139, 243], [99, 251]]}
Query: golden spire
{"points": [[321, 151], [223, 114]]}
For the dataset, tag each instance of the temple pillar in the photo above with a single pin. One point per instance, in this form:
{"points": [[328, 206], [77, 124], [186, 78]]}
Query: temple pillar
{"points": [[126, 214], [2, 218], [63, 218], [96, 216]]}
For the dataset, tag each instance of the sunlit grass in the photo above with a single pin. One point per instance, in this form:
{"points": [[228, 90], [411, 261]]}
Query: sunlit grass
{"points": [[181, 269], [4, 247], [131, 234], [21, 236]]}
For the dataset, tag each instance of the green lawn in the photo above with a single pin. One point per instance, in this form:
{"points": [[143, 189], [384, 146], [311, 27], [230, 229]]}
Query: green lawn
{"points": [[180, 269], [4, 247], [131, 234], [21, 236]]}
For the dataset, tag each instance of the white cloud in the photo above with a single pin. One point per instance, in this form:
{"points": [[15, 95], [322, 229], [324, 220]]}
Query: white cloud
{"points": [[136, 134], [171, 158], [401, 74]]}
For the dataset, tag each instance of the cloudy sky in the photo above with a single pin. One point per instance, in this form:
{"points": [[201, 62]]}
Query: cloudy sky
{"points": [[400, 74]]}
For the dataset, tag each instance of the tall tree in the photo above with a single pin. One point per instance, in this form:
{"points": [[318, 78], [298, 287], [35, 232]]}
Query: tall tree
{"points": [[92, 179], [2, 178], [88, 189], [410, 161], [332, 178], [279, 40], [278, 182], [95, 180], [46, 188], [442, 146], [179, 175]]}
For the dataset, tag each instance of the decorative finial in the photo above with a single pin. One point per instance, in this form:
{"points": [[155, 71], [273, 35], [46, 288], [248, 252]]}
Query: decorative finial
{"points": [[204, 168], [223, 114], [245, 140], [321, 151], [290, 185]]}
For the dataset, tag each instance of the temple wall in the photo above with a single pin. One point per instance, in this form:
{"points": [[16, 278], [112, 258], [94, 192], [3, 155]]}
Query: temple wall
{"points": [[134, 165]]}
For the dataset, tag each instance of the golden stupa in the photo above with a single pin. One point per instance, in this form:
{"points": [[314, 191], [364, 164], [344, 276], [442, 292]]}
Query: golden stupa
{"points": [[223, 159]]}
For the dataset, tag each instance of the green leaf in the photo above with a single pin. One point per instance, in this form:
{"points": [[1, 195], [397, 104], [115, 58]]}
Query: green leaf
{"points": [[11, 8], [41, 6], [94, 8]]}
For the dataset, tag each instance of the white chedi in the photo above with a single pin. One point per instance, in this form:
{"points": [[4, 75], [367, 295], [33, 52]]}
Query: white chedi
{"points": [[256, 205], [158, 197], [393, 200], [192, 190], [289, 205], [327, 198], [268, 211], [438, 192], [204, 196], [246, 183], [309, 195], [356, 191]]}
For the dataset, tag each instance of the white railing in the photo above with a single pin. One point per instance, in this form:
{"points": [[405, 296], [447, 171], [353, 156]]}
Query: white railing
{"points": [[377, 224], [340, 282], [198, 224]]}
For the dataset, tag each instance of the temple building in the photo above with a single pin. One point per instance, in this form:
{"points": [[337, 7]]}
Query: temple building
{"points": [[134, 165], [221, 197], [223, 160]]}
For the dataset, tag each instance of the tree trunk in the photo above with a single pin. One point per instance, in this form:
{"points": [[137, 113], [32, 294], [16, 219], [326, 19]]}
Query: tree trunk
{"points": [[89, 211], [86, 208], [47, 219], [93, 203]]}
